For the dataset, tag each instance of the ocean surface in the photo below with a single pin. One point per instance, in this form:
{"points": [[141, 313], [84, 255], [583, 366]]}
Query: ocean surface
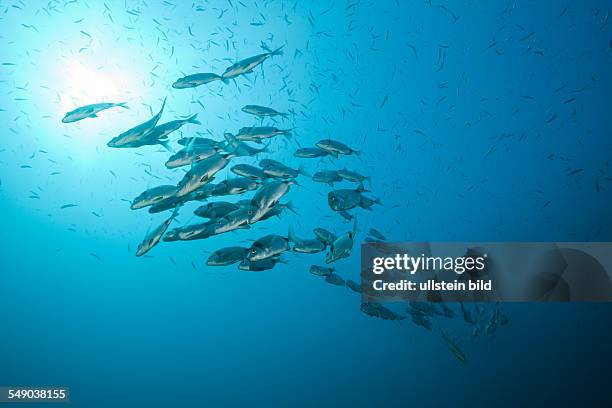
{"points": [[475, 121]]}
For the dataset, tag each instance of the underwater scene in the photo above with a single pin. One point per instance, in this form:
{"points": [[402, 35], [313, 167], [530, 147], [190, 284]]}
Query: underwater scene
{"points": [[186, 187]]}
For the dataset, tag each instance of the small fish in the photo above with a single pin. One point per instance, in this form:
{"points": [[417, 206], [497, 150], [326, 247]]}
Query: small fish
{"points": [[261, 111], [153, 238], [195, 80], [227, 256], [90, 111], [247, 65], [335, 148], [321, 270], [310, 152], [267, 247], [135, 136], [328, 177]]}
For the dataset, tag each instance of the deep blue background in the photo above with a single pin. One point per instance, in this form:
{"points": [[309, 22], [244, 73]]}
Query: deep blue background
{"points": [[499, 125]]}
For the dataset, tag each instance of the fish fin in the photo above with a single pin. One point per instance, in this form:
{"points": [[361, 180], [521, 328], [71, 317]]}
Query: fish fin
{"points": [[302, 171], [166, 146], [287, 132], [93, 115], [291, 235]]}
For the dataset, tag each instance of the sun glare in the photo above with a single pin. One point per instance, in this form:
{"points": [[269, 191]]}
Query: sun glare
{"points": [[85, 86]]}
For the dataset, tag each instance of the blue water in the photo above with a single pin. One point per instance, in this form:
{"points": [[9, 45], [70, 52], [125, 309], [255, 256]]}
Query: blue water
{"points": [[471, 128]]}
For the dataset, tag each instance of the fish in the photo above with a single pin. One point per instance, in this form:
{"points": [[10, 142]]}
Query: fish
{"points": [[335, 148], [215, 209], [191, 232], [328, 177], [198, 142], [352, 285], [352, 176], [241, 149], [321, 270], [202, 172], [345, 199], [452, 346], [267, 247], [90, 111], [324, 236], [135, 136], [227, 256], [275, 169], [310, 152], [342, 246], [249, 171], [237, 219], [420, 319], [153, 196], [237, 185], [377, 234], [258, 133], [153, 238], [266, 198], [375, 309], [335, 279], [195, 80], [247, 65], [305, 246], [261, 111], [162, 131], [190, 155]]}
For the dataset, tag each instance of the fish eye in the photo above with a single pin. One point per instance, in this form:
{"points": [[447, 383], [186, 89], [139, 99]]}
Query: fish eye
{"points": [[251, 212], [254, 251]]}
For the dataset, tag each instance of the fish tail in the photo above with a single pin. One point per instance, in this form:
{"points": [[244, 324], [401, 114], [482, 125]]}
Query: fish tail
{"points": [[287, 132], [291, 207], [123, 105], [166, 146], [277, 51], [193, 119], [302, 171]]}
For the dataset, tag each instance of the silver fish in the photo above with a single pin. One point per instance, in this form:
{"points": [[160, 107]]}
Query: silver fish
{"points": [[258, 133], [162, 131], [247, 65], [134, 136], [261, 111], [246, 170], [190, 155], [202, 172], [90, 111], [153, 196], [345, 199], [334, 147], [324, 235], [266, 197], [321, 270], [191, 81], [216, 209], [227, 256], [342, 246], [310, 152], [237, 185], [267, 247], [154, 236], [328, 177], [352, 175]]}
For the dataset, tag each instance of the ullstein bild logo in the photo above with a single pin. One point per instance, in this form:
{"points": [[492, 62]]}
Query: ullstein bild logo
{"points": [[486, 271]]}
